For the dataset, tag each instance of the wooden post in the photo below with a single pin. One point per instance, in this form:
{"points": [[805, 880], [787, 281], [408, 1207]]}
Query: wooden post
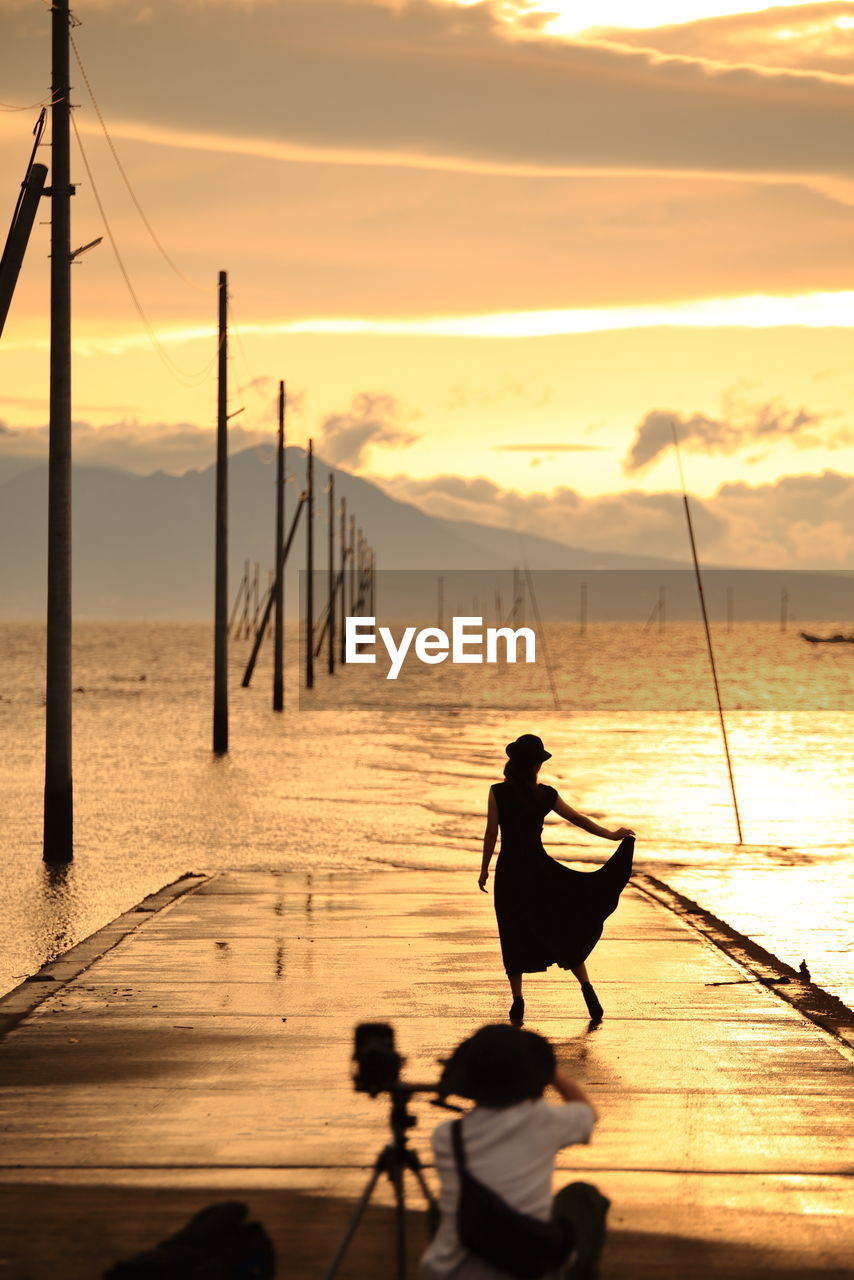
{"points": [[309, 565], [244, 621], [256, 596], [19, 235], [58, 833], [220, 714], [279, 599], [352, 558], [268, 608], [238, 601], [331, 569]]}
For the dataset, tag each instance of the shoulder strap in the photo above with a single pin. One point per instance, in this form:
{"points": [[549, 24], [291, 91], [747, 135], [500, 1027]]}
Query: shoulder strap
{"points": [[459, 1151]]}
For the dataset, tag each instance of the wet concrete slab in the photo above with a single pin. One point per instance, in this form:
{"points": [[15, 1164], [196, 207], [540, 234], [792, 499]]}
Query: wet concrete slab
{"points": [[205, 1056]]}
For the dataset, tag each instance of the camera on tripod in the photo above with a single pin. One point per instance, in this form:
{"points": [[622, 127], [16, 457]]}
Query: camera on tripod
{"points": [[377, 1070], [377, 1061]]}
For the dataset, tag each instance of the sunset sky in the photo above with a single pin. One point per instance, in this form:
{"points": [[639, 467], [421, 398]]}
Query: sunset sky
{"points": [[493, 248]]}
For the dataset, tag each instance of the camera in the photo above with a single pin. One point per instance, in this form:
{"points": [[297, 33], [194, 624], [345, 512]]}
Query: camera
{"points": [[377, 1061]]}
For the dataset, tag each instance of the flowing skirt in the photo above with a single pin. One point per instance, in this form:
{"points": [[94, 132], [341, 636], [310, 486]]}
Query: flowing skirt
{"points": [[551, 914]]}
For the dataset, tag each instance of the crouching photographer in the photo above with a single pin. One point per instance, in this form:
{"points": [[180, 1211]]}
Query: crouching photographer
{"points": [[498, 1218]]}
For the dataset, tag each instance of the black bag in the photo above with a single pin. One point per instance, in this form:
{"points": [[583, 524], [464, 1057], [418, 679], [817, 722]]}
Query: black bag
{"points": [[492, 1229]]}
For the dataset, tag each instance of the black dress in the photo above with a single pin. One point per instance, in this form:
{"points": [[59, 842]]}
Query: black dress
{"points": [[547, 913]]}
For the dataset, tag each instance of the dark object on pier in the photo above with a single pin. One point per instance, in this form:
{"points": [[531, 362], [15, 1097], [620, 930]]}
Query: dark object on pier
{"points": [[217, 1244], [838, 638], [804, 971]]}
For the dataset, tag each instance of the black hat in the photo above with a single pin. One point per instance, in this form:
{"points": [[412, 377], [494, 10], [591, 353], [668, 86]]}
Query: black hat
{"points": [[528, 747], [499, 1066]]}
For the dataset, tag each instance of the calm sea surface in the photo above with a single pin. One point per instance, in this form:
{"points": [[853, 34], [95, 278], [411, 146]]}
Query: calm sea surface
{"points": [[371, 778]]}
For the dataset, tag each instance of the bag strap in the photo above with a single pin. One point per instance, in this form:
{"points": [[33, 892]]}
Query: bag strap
{"points": [[459, 1150]]}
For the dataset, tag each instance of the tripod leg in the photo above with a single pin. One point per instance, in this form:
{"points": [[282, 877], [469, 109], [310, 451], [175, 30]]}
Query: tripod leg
{"points": [[361, 1206], [400, 1218]]}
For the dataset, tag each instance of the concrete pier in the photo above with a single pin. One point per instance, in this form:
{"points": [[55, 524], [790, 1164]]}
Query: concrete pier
{"points": [[198, 1049]]}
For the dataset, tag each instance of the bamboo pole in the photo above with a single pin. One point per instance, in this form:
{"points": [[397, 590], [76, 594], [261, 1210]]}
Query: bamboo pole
{"points": [[707, 629]]}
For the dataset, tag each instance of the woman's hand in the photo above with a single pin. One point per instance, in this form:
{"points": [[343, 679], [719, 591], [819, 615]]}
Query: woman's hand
{"points": [[621, 833], [482, 879]]}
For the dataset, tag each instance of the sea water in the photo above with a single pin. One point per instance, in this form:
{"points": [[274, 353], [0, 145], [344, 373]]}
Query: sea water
{"points": [[349, 777]]}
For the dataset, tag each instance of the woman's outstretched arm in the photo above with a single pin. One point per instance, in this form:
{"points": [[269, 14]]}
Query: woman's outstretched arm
{"points": [[587, 824], [490, 836]]}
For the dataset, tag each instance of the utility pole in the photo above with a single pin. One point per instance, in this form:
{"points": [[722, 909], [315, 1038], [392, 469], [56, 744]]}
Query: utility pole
{"points": [[352, 558], [279, 623], [332, 583], [58, 841], [220, 710], [309, 576], [342, 542]]}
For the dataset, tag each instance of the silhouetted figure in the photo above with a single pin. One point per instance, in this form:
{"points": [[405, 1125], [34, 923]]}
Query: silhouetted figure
{"points": [[804, 971], [547, 913], [217, 1244]]}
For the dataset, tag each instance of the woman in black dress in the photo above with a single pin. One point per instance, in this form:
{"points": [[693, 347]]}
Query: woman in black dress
{"points": [[547, 913]]}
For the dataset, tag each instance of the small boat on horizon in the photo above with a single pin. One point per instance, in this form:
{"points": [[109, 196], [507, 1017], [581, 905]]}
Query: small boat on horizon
{"points": [[838, 638]]}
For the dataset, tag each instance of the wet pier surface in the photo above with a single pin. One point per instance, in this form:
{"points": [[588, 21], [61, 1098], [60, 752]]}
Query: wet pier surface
{"points": [[198, 1049]]}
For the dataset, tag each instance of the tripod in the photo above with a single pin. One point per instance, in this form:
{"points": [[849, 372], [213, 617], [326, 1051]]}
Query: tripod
{"points": [[393, 1160]]}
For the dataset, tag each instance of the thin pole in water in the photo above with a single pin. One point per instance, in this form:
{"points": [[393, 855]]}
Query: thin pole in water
{"points": [[309, 569], [220, 713], [342, 543], [333, 585], [268, 608], [707, 629], [539, 621], [58, 788], [279, 598]]}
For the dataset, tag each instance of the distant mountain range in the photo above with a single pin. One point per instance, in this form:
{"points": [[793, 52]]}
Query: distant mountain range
{"points": [[143, 545]]}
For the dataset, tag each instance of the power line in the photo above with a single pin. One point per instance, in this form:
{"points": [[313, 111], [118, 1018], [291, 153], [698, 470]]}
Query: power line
{"points": [[253, 380], [33, 106], [121, 169], [188, 379]]}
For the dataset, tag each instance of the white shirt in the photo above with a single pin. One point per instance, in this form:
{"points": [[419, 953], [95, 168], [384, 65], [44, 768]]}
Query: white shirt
{"points": [[511, 1150]]}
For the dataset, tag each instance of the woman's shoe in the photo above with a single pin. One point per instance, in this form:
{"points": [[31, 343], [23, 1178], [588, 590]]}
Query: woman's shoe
{"points": [[594, 1008], [517, 1010]]}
